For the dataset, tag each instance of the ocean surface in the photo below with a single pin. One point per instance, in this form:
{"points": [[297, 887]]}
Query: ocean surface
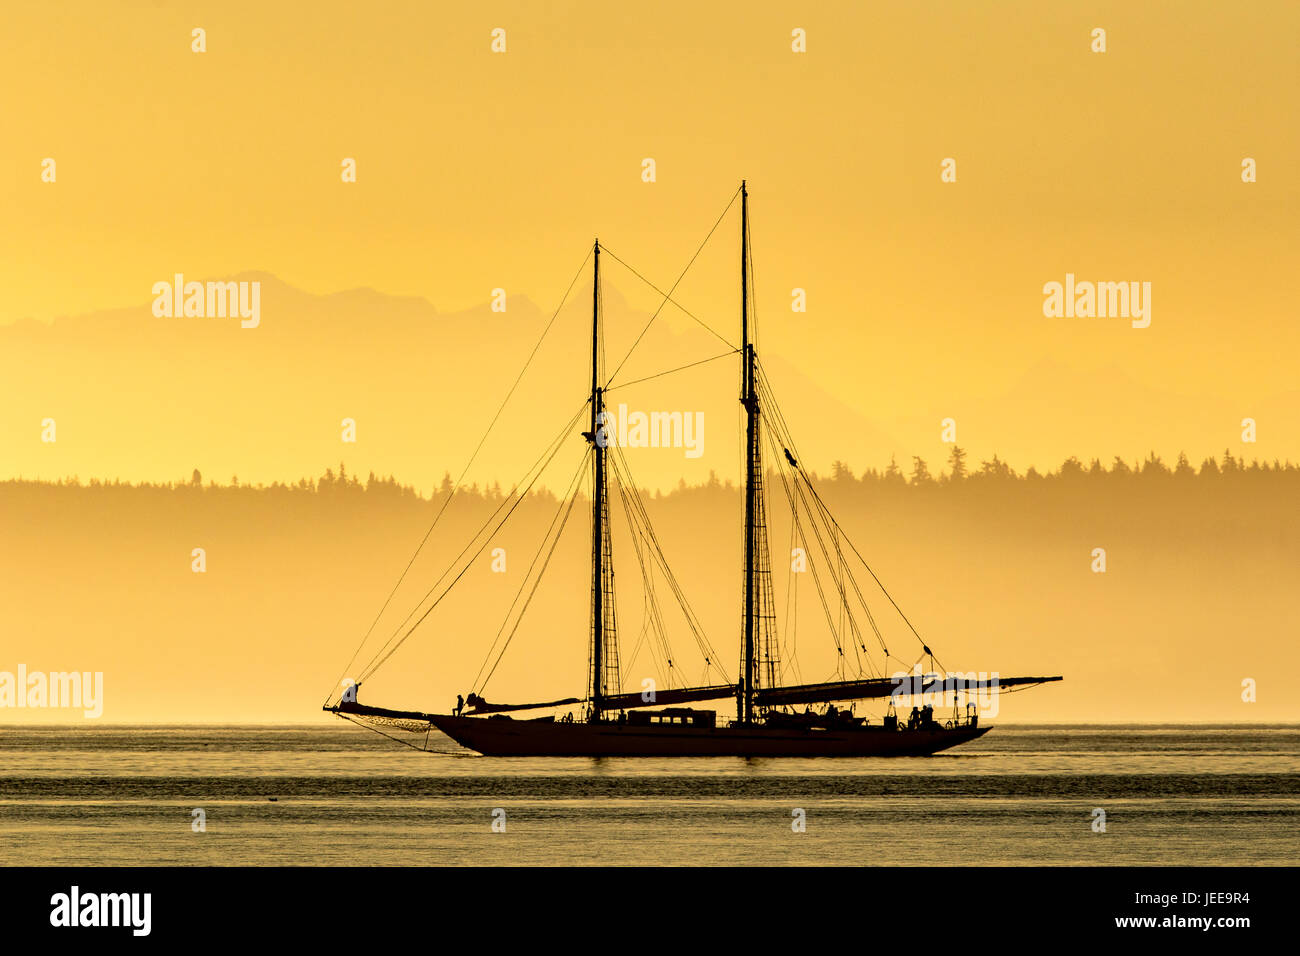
{"points": [[341, 795]]}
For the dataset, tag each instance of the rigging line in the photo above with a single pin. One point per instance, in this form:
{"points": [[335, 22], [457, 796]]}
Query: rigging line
{"points": [[647, 601], [554, 447], [824, 513], [668, 298], [468, 465], [849, 542], [791, 581], [639, 517], [566, 500], [468, 564], [651, 611], [571, 491], [770, 646], [859, 646], [565, 507], [853, 582], [636, 648], [404, 743], [790, 488], [773, 435], [572, 497], [792, 633], [680, 368], [649, 605], [671, 290], [830, 622], [792, 585], [841, 533], [647, 612], [766, 384], [692, 621], [788, 438], [556, 444]]}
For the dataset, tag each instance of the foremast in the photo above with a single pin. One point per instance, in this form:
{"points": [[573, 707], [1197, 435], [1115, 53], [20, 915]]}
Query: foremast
{"points": [[759, 651]]}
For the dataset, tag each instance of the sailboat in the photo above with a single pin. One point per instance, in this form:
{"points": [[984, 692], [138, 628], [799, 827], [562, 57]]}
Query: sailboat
{"points": [[666, 722]]}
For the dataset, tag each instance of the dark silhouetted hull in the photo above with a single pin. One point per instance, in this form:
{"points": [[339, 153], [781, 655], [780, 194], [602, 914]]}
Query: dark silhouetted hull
{"points": [[526, 738]]}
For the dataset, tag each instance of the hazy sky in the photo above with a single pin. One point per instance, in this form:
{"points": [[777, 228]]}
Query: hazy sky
{"points": [[478, 170]]}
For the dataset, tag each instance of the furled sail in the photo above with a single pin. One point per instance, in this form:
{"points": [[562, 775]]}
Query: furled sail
{"points": [[663, 698], [883, 687], [381, 713], [790, 695], [477, 705]]}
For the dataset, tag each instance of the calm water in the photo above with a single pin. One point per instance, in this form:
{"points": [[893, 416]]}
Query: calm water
{"points": [[341, 795]]}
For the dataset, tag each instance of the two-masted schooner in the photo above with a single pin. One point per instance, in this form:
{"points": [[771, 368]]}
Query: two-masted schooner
{"points": [[665, 723]]}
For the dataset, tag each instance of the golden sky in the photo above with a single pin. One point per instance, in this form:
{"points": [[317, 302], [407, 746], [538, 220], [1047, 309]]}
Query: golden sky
{"points": [[479, 170]]}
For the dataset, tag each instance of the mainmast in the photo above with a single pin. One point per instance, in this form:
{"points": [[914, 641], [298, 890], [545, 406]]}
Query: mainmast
{"points": [[604, 641], [749, 671], [597, 498]]}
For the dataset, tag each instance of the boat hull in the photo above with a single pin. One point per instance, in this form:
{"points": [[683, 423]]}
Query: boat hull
{"points": [[525, 738]]}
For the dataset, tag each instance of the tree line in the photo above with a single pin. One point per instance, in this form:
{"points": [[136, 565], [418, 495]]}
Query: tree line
{"points": [[956, 471]]}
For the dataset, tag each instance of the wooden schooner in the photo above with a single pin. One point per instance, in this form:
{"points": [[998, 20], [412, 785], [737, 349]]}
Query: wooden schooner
{"points": [[665, 723]]}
